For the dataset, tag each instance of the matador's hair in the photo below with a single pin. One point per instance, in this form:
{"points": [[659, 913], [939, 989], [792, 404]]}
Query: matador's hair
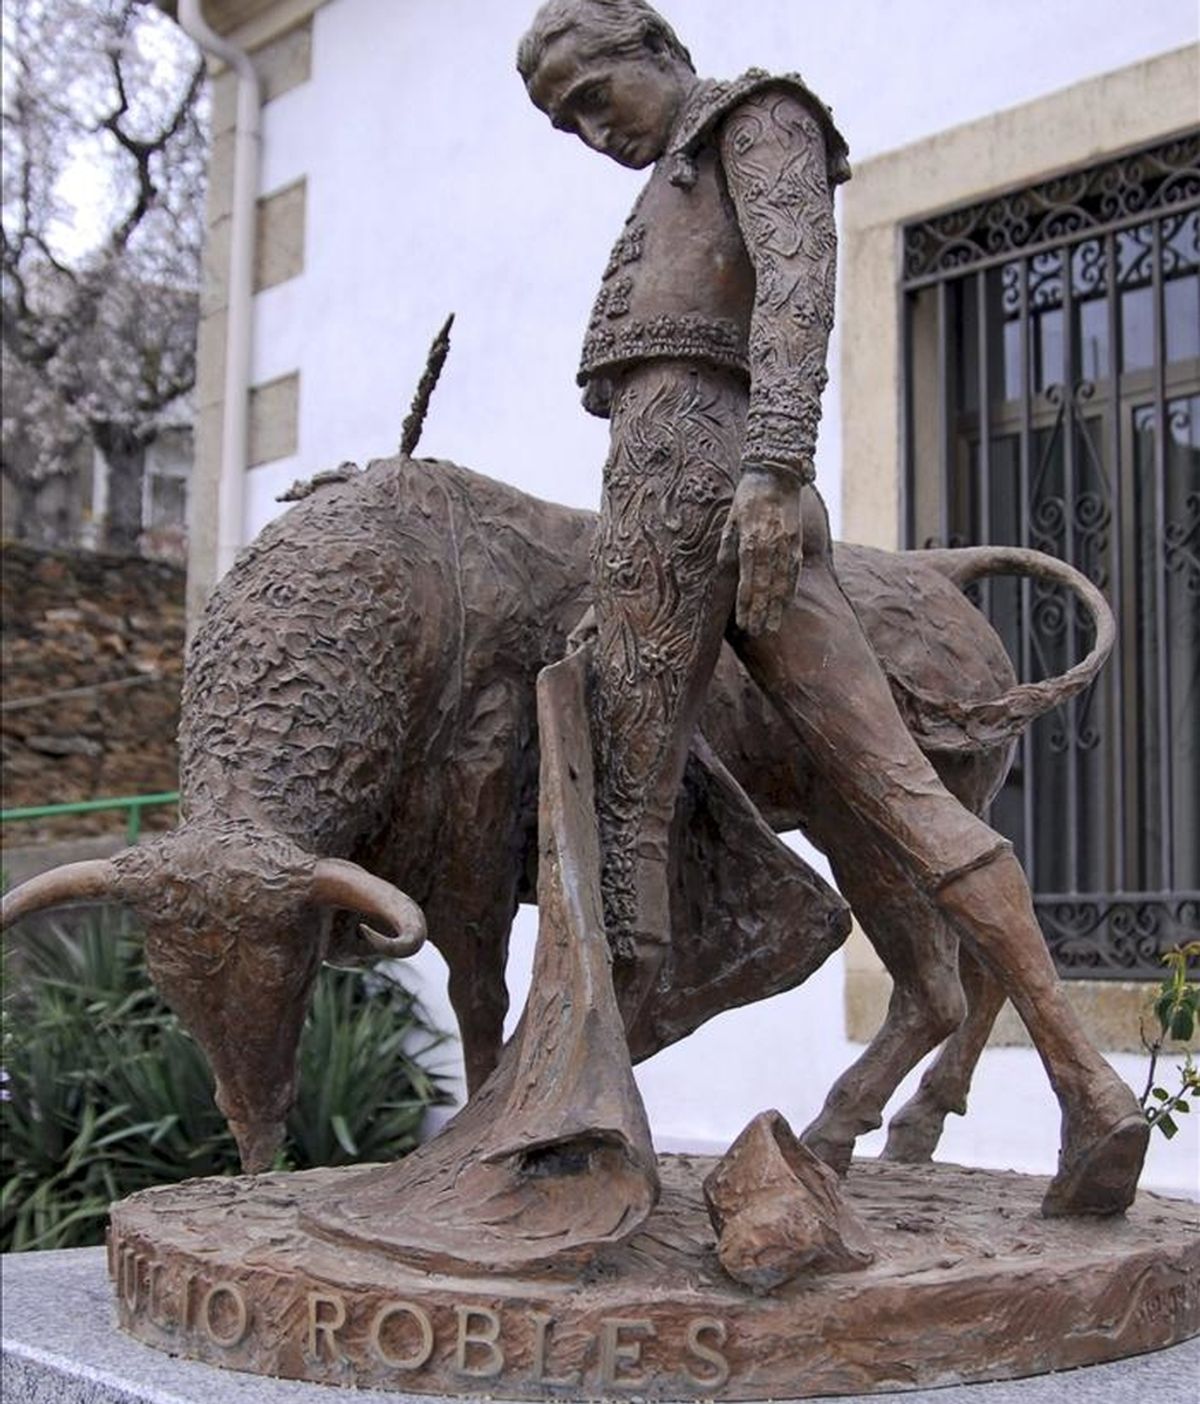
{"points": [[617, 28]]}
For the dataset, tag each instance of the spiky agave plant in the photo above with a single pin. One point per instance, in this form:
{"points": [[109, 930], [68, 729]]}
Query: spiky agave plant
{"points": [[105, 1092]]}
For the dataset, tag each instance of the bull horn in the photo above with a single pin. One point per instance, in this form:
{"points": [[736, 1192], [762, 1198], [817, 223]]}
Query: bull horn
{"points": [[338, 883], [92, 881]]}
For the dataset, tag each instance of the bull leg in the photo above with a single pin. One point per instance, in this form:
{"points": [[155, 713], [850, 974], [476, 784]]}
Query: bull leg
{"points": [[471, 927], [471, 915], [914, 1132], [477, 990], [919, 950]]}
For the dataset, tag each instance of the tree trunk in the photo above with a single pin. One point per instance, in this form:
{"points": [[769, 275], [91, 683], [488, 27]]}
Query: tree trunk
{"points": [[36, 506], [126, 457], [21, 516]]}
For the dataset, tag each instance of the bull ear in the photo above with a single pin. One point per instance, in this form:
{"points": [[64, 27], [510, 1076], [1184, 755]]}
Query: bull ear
{"points": [[92, 881], [338, 883]]}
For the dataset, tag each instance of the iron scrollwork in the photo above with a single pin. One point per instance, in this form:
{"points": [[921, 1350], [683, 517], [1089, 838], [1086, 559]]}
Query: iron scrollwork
{"points": [[1161, 178], [1116, 936], [1182, 549]]}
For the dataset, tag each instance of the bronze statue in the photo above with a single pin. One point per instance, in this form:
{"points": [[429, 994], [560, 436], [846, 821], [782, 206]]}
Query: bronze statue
{"points": [[706, 351], [361, 689], [423, 697]]}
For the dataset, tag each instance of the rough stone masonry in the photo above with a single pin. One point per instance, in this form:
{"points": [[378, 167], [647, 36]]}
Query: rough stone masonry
{"points": [[92, 655]]}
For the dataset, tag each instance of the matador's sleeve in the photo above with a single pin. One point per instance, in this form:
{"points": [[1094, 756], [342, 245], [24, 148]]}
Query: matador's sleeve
{"points": [[776, 162]]}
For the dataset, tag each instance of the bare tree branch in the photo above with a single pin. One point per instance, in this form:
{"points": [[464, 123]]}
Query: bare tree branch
{"points": [[100, 308]]}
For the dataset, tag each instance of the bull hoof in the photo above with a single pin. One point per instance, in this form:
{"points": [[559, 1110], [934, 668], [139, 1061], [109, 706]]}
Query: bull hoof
{"points": [[1103, 1178], [913, 1134], [837, 1154]]}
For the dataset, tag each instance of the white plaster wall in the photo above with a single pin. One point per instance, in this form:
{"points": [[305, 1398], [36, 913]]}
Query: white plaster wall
{"points": [[435, 186]]}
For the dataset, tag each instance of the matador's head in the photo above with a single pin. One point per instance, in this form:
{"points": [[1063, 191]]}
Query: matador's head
{"points": [[611, 72]]}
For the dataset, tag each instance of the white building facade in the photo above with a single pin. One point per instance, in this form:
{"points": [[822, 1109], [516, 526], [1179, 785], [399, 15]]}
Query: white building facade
{"points": [[404, 174]]}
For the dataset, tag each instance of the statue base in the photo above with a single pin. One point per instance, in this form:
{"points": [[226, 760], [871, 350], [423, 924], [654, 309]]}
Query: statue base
{"points": [[969, 1284]]}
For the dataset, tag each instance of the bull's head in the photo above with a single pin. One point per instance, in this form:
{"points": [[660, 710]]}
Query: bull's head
{"points": [[237, 923]]}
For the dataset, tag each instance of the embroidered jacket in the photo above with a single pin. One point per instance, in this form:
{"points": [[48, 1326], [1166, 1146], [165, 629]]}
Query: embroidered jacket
{"points": [[729, 257]]}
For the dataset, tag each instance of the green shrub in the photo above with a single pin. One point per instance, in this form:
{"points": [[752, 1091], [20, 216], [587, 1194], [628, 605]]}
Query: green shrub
{"points": [[104, 1092]]}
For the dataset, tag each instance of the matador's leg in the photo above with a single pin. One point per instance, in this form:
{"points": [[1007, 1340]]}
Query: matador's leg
{"points": [[826, 682], [661, 605]]}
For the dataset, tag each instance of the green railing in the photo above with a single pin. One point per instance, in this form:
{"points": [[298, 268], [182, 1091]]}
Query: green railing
{"points": [[132, 804]]}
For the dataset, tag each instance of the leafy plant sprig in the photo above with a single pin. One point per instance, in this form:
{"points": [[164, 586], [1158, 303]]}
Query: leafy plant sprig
{"points": [[1177, 1013]]}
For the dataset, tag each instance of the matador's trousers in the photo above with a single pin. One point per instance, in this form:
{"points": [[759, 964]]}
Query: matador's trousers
{"points": [[664, 603]]}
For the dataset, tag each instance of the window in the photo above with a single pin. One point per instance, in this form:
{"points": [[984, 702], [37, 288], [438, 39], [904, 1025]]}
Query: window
{"points": [[1052, 399]]}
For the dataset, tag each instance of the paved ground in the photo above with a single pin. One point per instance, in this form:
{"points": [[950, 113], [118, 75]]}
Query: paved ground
{"points": [[60, 1348]]}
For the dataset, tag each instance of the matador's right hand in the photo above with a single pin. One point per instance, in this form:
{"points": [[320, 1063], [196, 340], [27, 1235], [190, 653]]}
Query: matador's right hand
{"points": [[763, 534]]}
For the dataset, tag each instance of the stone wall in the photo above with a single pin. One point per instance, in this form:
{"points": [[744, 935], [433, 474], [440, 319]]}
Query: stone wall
{"points": [[92, 657]]}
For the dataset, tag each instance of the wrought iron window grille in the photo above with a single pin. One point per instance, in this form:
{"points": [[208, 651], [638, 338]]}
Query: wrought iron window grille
{"points": [[1048, 333]]}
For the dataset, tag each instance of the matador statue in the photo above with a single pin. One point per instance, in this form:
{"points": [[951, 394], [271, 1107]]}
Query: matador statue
{"points": [[706, 352]]}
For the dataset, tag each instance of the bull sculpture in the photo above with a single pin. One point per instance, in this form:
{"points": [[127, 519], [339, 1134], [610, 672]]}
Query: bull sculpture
{"points": [[359, 735]]}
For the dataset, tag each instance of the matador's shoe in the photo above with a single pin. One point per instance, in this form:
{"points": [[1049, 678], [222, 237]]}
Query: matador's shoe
{"points": [[1102, 1177]]}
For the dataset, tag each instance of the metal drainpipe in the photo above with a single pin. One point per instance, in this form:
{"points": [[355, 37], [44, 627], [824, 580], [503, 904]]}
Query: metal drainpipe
{"points": [[236, 412]]}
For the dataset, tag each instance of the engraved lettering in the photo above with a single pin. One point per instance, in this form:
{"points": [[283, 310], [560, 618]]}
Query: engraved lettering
{"points": [[1176, 1300], [154, 1298], [483, 1338], [541, 1340], [130, 1277], [325, 1330], [423, 1348], [707, 1354], [186, 1314], [141, 1278], [615, 1353], [224, 1316]]}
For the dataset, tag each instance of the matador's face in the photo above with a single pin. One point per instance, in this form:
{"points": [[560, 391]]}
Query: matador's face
{"points": [[620, 105]]}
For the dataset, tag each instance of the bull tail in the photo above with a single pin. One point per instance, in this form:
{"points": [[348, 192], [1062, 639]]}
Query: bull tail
{"points": [[414, 421], [944, 724]]}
